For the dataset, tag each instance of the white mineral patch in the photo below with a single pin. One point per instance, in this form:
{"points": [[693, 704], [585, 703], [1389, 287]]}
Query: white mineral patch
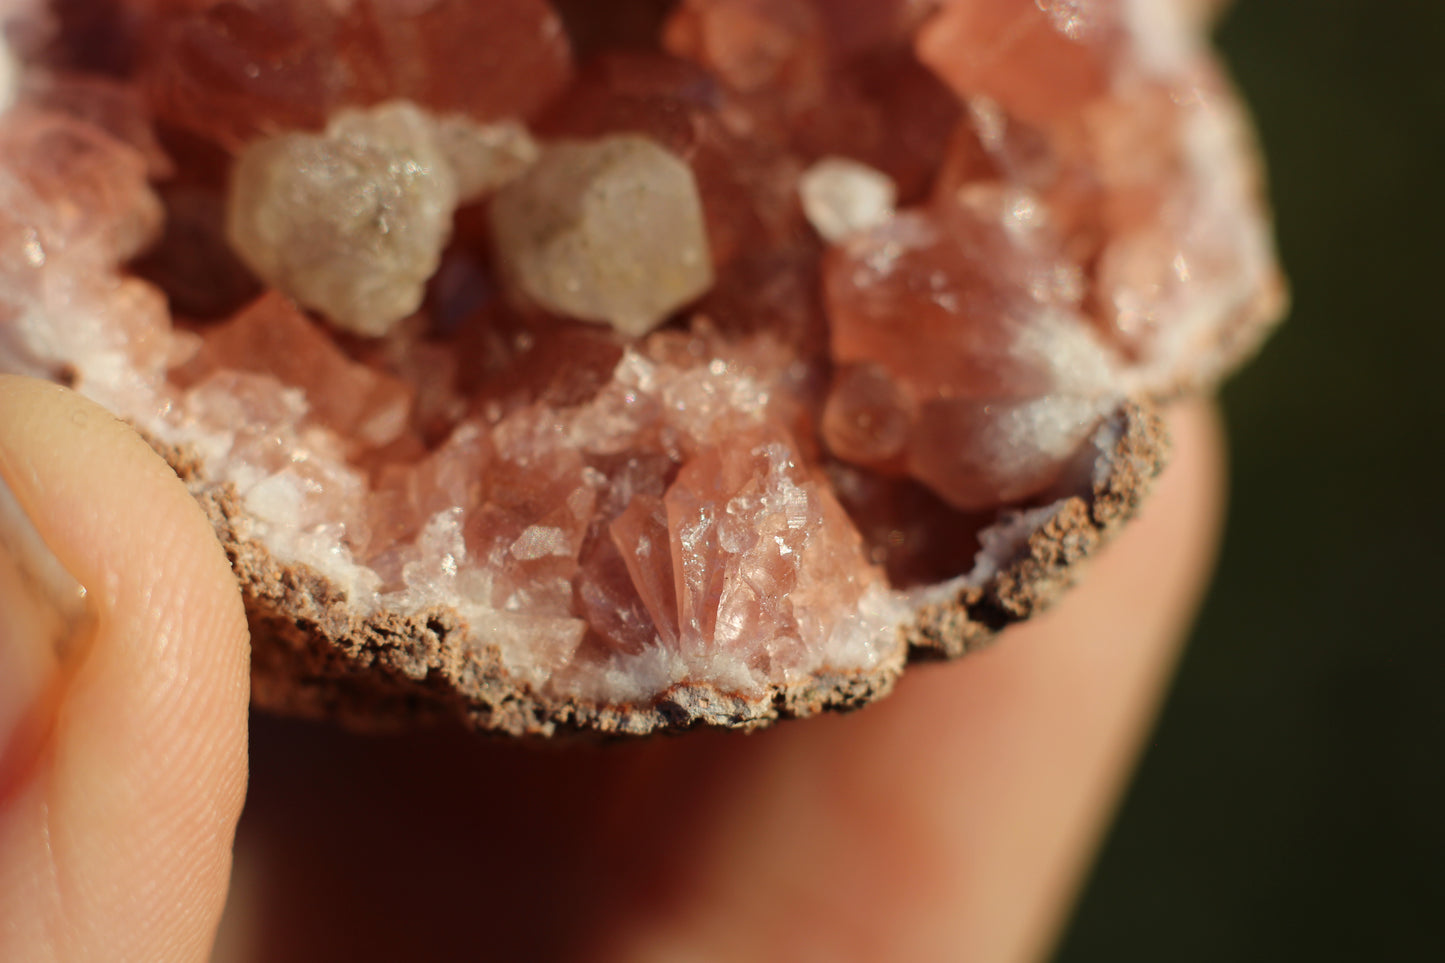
{"points": [[1040, 432], [1063, 344], [607, 230], [1164, 35], [541, 541], [842, 196], [867, 638]]}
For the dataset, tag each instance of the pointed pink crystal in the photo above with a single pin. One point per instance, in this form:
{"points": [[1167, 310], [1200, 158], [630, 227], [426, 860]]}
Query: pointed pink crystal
{"points": [[407, 494], [273, 336], [641, 537], [764, 561]]}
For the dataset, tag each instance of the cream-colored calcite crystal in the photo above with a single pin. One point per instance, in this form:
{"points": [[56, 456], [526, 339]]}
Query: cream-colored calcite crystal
{"points": [[608, 230], [352, 222], [841, 196]]}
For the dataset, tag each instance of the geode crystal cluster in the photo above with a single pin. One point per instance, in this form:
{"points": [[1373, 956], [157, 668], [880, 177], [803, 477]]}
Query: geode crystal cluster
{"points": [[633, 364]]}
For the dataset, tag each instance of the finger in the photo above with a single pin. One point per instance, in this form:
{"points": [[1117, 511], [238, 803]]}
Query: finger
{"points": [[117, 812], [952, 821]]}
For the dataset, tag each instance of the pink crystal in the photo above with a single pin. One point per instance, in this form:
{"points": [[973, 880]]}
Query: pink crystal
{"points": [[407, 494], [93, 185], [74, 201], [752, 45], [1040, 60], [998, 377], [492, 60], [117, 109], [860, 27], [232, 70], [642, 539], [868, 416], [274, 337], [238, 68], [749, 531], [888, 111]]}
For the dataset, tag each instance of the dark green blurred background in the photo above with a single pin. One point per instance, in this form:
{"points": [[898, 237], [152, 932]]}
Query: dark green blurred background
{"points": [[1291, 805]]}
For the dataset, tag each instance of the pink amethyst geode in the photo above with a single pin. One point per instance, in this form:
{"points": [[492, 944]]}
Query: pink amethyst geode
{"points": [[633, 365]]}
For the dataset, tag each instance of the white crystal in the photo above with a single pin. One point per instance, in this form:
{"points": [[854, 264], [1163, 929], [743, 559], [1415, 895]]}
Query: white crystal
{"points": [[608, 230], [842, 196], [484, 157], [351, 223]]}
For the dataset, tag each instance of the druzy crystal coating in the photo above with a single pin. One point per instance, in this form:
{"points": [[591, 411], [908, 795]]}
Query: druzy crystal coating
{"points": [[652, 344]]}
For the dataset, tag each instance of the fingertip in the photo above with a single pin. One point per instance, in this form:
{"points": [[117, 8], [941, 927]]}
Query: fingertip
{"points": [[117, 843]]}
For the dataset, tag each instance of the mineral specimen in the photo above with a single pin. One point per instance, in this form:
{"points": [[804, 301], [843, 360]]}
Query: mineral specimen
{"points": [[639, 365]]}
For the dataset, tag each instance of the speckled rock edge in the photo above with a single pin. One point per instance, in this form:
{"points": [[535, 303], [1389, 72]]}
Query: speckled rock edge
{"points": [[312, 656]]}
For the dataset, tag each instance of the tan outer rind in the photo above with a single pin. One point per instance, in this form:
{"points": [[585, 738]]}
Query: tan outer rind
{"points": [[311, 656], [1055, 554]]}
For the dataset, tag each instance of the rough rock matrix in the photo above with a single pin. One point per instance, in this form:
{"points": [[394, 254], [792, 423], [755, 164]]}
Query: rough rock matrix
{"points": [[631, 366]]}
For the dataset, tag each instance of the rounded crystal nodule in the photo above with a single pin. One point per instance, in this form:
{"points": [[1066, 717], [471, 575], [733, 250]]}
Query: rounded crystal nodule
{"points": [[841, 196], [605, 230], [350, 222]]}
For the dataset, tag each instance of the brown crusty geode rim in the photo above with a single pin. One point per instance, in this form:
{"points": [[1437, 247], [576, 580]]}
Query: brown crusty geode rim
{"points": [[312, 656]]}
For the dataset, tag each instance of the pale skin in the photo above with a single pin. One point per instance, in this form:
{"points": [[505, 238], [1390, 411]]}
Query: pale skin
{"points": [[952, 821]]}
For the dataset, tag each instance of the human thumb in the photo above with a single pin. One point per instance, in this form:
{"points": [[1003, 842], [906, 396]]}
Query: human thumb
{"points": [[123, 692]]}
